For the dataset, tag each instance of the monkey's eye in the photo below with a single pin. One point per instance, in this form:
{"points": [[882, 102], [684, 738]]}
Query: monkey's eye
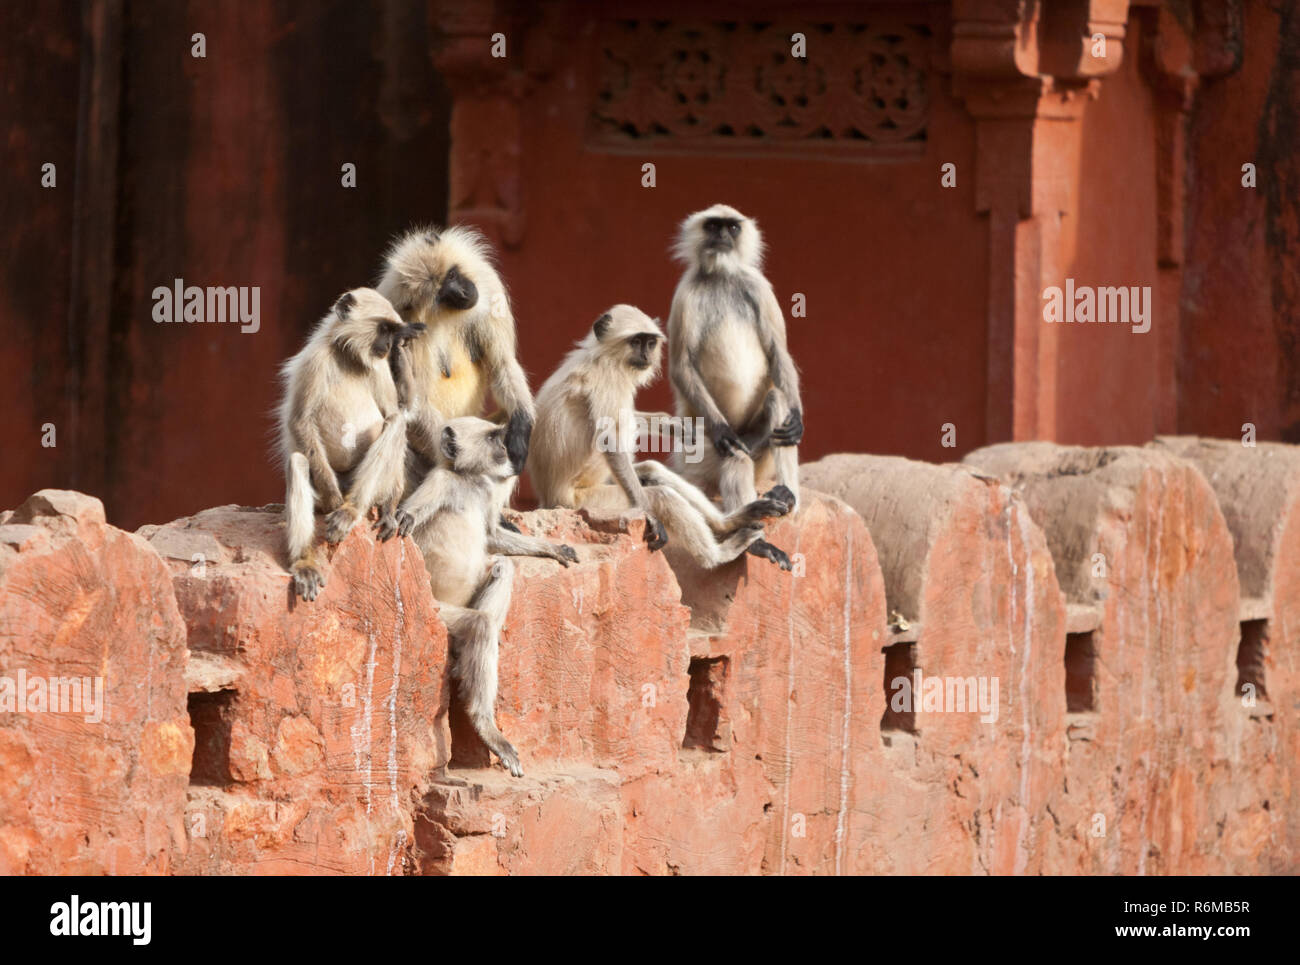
{"points": [[734, 228]]}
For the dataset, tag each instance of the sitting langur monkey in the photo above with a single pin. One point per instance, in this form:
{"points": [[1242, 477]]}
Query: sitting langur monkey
{"points": [[586, 429], [454, 515], [730, 364], [342, 426], [446, 281]]}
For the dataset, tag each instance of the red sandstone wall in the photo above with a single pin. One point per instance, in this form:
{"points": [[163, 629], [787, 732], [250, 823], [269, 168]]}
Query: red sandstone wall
{"points": [[674, 722]]}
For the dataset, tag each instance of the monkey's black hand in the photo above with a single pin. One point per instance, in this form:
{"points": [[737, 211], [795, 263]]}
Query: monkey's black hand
{"points": [[565, 554], [789, 432], [656, 537], [405, 523], [782, 494], [386, 527], [762, 548], [726, 441], [507, 525], [408, 332], [518, 430]]}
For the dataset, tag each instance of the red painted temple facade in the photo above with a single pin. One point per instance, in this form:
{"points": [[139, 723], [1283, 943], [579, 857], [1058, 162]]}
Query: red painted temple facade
{"points": [[923, 175]]}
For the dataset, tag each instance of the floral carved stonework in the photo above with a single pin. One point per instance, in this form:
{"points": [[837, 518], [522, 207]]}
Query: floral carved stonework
{"points": [[712, 87]]}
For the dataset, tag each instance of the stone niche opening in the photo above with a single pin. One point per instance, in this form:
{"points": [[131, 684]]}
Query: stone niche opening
{"points": [[900, 663], [706, 727], [1250, 659], [1080, 673], [211, 715]]}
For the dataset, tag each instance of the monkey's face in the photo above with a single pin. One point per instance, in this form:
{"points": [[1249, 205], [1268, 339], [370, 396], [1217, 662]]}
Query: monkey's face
{"points": [[475, 447], [719, 238], [629, 338], [644, 352], [456, 291], [720, 234]]}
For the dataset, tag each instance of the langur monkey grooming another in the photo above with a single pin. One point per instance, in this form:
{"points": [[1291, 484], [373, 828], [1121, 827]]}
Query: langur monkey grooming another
{"points": [[454, 515], [730, 365], [342, 428], [446, 281], [585, 433]]}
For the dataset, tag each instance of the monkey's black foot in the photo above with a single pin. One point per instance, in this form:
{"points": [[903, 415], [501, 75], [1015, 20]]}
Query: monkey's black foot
{"points": [[510, 759], [339, 523], [506, 524], [767, 508], [783, 493], [762, 548], [307, 580], [405, 523], [656, 537], [564, 553], [386, 528]]}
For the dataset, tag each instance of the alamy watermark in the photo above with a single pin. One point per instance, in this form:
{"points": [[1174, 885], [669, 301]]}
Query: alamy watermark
{"points": [[655, 432], [1113, 304], [190, 303], [945, 695], [35, 694], [131, 919]]}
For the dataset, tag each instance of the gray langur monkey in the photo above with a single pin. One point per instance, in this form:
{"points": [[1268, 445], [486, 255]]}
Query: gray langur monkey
{"points": [[445, 280], [454, 515], [730, 364], [342, 426], [586, 432]]}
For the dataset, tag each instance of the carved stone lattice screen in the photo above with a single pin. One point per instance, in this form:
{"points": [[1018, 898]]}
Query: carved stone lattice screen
{"points": [[860, 90]]}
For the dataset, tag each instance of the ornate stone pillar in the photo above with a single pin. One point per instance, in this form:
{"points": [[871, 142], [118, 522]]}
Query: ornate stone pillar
{"points": [[487, 94], [1024, 74]]}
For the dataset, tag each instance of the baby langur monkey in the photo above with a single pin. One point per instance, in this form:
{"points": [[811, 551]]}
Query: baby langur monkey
{"points": [[342, 426], [730, 363], [585, 433], [455, 515]]}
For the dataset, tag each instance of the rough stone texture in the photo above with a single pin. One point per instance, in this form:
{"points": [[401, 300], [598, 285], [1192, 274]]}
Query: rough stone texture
{"points": [[970, 573], [81, 599], [673, 721], [731, 738], [318, 724], [781, 775], [1258, 489], [1139, 540]]}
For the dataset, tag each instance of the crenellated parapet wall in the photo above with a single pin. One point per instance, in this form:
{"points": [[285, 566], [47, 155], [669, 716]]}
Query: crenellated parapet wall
{"points": [[1046, 660]]}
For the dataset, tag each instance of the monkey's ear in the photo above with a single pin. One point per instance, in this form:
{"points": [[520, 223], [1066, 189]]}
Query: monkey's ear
{"points": [[602, 325], [432, 237], [449, 447], [344, 304]]}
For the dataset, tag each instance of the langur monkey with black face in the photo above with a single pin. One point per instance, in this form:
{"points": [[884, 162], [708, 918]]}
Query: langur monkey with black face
{"points": [[446, 281], [454, 515], [730, 364], [343, 430], [585, 433]]}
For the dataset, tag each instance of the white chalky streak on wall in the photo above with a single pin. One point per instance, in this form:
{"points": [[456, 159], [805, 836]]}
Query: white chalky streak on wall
{"points": [[392, 709], [789, 680], [1022, 847], [363, 731], [848, 705]]}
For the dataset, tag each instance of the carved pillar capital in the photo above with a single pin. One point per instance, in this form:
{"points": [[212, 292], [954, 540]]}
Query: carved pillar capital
{"points": [[483, 56]]}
